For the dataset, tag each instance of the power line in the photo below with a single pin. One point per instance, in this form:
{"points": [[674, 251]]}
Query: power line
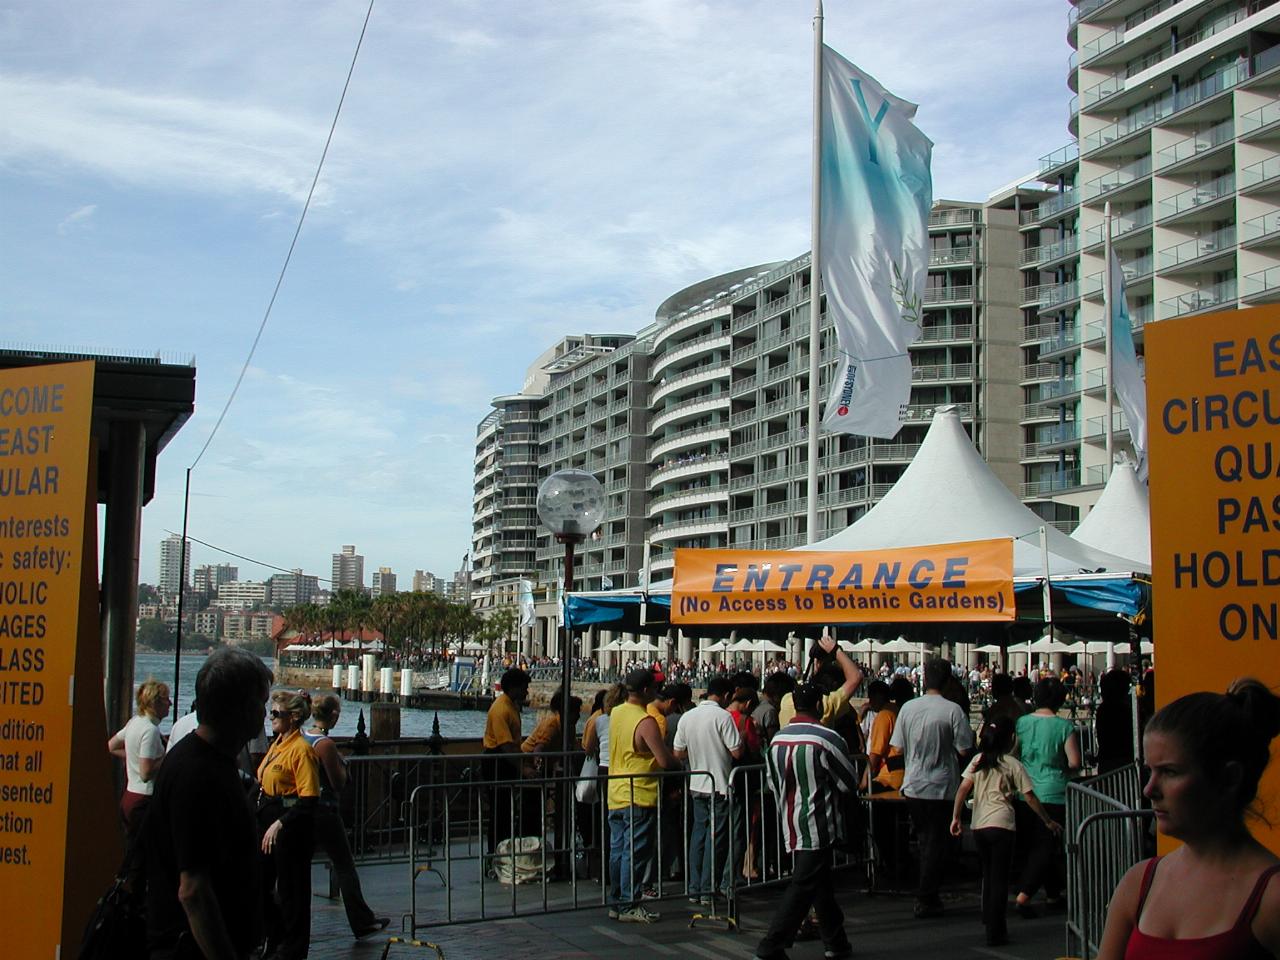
{"points": [[292, 243], [241, 556]]}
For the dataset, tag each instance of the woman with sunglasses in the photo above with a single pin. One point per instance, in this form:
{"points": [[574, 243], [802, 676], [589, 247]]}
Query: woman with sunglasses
{"points": [[289, 776]]}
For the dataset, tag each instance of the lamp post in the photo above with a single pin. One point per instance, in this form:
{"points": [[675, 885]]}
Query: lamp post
{"points": [[571, 506]]}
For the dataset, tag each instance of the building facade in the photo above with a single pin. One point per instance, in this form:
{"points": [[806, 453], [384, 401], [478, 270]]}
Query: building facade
{"points": [[383, 582], [285, 590], [348, 570], [1174, 122], [175, 564], [208, 577], [241, 595]]}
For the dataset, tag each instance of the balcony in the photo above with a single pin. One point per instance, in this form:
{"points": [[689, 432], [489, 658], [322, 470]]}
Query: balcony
{"points": [[1052, 483], [688, 466], [1196, 144], [1038, 371], [1109, 87], [1050, 251], [947, 218], [1259, 119], [939, 295], [1218, 242], [1260, 228], [1060, 389], [951, 256], [946, 332], [739, 387], [1129, 173], [1095, 427], [1063, 341], [1058, 202], [1259, 173], [925, 373], [1137, 219], [1219, 295], [1262, 285], [688, 496], [1059, 158], [689, 348], [1205, 193]]}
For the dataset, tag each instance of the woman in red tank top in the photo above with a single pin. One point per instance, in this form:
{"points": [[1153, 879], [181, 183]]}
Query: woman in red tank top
{"points": [[1217, 895]]}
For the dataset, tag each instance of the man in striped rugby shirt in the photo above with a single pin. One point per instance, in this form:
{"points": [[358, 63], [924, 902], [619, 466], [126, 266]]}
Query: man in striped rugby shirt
{"points": [[808, 768]]}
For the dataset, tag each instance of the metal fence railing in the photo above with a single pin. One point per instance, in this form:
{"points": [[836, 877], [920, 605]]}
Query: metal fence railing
{"points": [[1107, 832]]}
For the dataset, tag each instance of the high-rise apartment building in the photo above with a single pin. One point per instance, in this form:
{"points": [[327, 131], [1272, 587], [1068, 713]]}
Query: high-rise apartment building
{"points": [[348, 570], [285, 590], [208, 577], [424, 581], [1174, 120], [384, 582], [175, 564], [696, 425], [241, 595]]}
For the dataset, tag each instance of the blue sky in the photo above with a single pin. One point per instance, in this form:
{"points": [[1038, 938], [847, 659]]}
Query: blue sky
{"points": [[504, 173]]}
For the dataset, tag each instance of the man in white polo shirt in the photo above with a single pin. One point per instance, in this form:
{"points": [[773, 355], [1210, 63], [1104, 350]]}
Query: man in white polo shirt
{"points": [[707, 740]]}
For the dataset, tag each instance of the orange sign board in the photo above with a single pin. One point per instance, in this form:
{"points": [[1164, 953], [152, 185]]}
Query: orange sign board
{"points": [[1213, 408], [45, 414], [955, 581]]}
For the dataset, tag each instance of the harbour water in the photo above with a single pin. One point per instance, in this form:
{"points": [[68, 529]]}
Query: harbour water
{"points": [[454, 724]]}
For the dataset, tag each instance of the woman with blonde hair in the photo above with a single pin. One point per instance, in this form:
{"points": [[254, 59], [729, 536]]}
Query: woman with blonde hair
{"points": [[141, 747], [331, 835], [289, 776], [1217, 894]]}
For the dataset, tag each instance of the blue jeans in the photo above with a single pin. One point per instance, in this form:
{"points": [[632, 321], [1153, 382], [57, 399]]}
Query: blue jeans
{"points": [[709, 845], [630, 848]]}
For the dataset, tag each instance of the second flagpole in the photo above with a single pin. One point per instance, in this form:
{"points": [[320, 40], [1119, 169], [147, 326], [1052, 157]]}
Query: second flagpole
{"points": [[815, 278]]}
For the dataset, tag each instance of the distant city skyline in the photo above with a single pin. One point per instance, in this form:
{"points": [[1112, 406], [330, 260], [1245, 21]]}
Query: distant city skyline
{"points": [[501, 176]]}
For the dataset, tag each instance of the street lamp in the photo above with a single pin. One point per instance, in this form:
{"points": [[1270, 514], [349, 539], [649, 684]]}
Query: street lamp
{"points": [[571, 506]]}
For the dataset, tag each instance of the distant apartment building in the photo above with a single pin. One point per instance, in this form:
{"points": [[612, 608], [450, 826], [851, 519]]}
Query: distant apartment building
{"points": [[285, 590], [384, 582], [208, 577], [241, 595], [424, 581], [1173, 123], [348, 570], [242, 626], [175, 564], [208, 623]]}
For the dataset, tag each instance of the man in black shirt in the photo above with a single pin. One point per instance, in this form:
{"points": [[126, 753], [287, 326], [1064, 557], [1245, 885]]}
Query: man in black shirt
{"points": [[203, 899]]}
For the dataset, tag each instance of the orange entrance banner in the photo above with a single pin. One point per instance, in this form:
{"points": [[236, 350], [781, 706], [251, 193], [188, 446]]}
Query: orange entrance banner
{"points": [[946, 582], [1213, 397]]}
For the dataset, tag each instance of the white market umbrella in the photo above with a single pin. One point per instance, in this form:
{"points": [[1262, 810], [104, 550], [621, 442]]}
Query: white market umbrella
{"points": [[720, 646], [901, 645], [640, 646], [862, 646], [988, 648], [768, 646], [743, 646]]}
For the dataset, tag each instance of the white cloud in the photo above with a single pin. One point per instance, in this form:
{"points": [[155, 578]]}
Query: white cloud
{"points": [[81, 216]]}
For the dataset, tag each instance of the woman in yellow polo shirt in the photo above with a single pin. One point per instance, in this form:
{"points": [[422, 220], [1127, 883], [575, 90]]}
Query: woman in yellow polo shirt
{"points": [[290, 778]]}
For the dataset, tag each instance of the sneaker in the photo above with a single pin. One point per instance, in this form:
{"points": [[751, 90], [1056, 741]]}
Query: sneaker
{"points": [[650, 893], [613, 913], [638, 915]]}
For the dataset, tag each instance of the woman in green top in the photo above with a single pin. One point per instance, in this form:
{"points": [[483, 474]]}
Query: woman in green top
{"points": [[1049, 748]]}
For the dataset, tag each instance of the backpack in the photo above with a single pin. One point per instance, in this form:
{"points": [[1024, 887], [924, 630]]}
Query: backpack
{"points": [[118, 926]]}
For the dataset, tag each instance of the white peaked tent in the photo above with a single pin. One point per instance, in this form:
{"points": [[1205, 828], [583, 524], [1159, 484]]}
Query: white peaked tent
{"points": [[949, 494], [1120, 522]]}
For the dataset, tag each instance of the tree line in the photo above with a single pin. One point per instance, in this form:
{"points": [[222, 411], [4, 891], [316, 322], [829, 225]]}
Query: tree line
{"points": [[418, 626]]}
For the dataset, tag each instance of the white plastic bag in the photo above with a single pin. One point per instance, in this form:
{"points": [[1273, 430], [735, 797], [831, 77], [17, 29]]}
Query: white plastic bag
{"points": [[587, 788], [519, 860]]}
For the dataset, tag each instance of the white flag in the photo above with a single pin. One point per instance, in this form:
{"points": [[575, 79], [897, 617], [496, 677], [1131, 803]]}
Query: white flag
{"points": [[1125, 373], [527, 616], [606, 583], [874, 230]]}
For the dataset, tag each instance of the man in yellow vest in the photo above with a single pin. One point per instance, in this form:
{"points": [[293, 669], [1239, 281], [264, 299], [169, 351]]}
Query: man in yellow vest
{"points": [[636, 750]]}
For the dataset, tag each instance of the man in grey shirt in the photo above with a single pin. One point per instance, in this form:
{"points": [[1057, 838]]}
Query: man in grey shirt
{"points": [[933, 735]]}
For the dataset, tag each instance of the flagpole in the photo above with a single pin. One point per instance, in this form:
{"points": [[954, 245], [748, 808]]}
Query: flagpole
{"points": [[1107, 294], [815, 277]]}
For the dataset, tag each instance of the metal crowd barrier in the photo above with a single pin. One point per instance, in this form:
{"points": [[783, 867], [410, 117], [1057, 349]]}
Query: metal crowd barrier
{"points": [[469, 832], [1106, 831]]}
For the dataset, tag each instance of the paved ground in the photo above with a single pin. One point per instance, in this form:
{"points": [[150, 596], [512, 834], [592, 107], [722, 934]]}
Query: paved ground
{"points": [[881, 927]]}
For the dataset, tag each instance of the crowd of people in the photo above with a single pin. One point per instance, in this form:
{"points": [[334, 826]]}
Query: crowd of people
{"points": [[225, 820]]}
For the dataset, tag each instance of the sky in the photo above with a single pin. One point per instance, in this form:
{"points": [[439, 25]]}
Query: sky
{"points": [[503, 174]]}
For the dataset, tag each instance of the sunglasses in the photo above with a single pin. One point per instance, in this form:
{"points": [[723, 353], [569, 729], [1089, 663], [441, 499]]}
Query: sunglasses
{"points": [[281, 715]]}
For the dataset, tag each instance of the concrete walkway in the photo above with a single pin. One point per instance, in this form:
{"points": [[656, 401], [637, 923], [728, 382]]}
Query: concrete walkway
{"points": [[881, 927]]}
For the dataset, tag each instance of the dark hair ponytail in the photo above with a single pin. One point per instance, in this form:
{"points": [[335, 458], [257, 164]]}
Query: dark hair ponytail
{"points": [[995, 739], [1216, 729]]}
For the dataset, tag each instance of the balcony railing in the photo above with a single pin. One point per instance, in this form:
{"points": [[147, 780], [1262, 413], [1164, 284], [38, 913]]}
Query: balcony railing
{"points": [[1193, 249], [951, 331], [1120, 225], [1050, 251], [950, 256], [1052, 483], [1263, 282], [944, 218], [1196, 144], [1260, 227], [942, 371], [1205, 298], [1100, 91], [1204, 193], [1058, 202], [947, 294], [1062, 155], [1260, 172], [1126, 175], [1262, 117]]}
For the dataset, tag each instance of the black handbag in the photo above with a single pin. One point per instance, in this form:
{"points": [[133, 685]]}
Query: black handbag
{"points": [[118, 925]]}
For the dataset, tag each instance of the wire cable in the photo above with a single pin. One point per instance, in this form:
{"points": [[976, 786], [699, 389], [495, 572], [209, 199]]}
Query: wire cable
{"points": [[292, 243], [241, 556]]}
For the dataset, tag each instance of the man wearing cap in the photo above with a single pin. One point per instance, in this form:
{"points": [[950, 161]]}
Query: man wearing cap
{"points": [[808, 769], [707, 739], [636, 750]]}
